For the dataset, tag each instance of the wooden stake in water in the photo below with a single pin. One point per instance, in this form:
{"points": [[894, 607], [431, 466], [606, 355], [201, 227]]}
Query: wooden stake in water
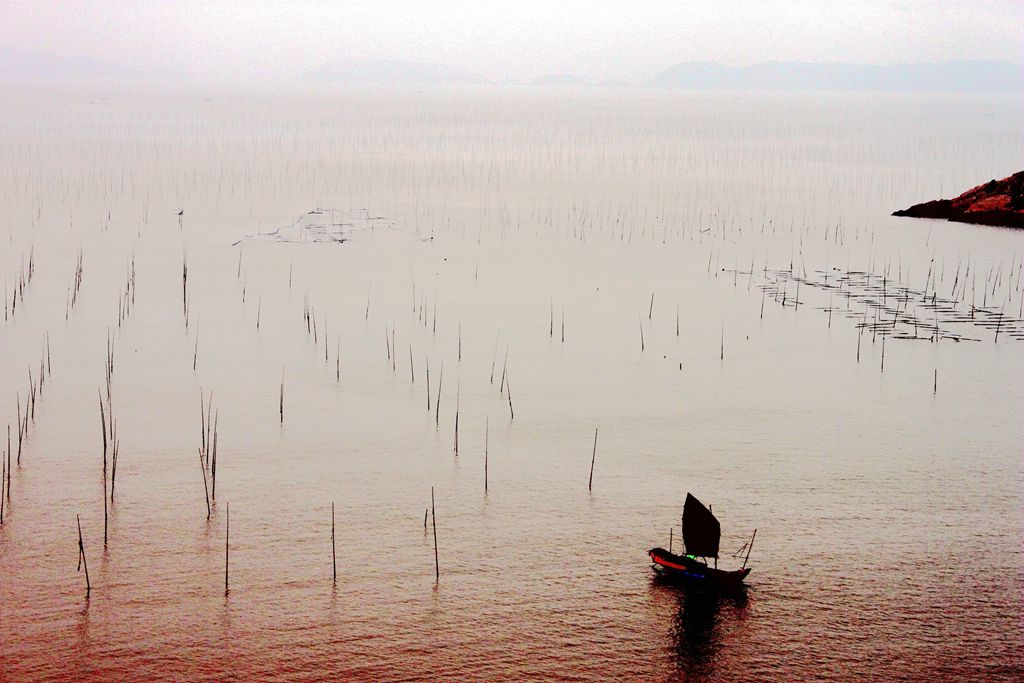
{"points": [[935, 382], [227, 537], [437, 403], [206, 489], [8, 463], [281, 403], [104, 474], [334, 559], [82, 562], [458, 400], [593, 458], [508, 393], [487, 436], [504, 369], [213, 459], [433, 519], [202, 421]]}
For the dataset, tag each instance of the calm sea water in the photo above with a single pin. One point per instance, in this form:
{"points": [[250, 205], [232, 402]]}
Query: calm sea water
{"points": [[886, 491]]}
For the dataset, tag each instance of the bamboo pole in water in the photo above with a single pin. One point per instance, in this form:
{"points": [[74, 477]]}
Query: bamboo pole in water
{"points": [[209, 426], [104, 424], [504, 369], [202, 422], [508, 392], [82, 562], [18, 401], [458, 400], [8, 463], [213, 458], [437, 403], [593, 458], [113, 460], [433, 518], [227, 537], [487, 436], [334, 558], [206, 490]]}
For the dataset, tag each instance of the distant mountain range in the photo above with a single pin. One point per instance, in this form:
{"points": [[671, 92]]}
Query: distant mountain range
{"points": [[380, 71], [961, 76]]}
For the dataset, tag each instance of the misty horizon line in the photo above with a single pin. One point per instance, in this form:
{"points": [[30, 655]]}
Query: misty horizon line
{"points": [[950, 75]]}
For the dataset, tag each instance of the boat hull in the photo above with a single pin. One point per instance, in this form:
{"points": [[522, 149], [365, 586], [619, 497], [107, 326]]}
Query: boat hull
{"points": [[685, 569]]}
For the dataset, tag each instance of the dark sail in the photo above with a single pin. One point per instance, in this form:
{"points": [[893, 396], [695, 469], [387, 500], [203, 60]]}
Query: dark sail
{"points": [[701, 531]]}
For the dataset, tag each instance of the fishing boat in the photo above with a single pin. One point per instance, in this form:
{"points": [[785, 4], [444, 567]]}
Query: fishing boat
{"points": [[701, 534]]}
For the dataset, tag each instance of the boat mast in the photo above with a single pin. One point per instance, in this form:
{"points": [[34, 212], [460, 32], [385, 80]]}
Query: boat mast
{"points": [[749, 546]]}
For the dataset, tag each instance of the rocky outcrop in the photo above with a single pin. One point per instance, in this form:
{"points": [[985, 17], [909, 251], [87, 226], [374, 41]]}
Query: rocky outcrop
{"points": [[997, 202]]}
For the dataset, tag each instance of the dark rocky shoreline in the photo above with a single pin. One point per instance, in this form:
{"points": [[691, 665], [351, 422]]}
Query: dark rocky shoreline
{"points": [[997, 202]]}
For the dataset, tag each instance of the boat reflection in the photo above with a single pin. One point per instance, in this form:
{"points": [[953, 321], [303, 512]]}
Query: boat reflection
{"points": [[703, 623]]}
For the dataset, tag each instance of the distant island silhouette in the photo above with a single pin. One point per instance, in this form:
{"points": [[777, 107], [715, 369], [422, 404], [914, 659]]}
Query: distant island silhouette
{"points": [[958, 76], [997, 202]]}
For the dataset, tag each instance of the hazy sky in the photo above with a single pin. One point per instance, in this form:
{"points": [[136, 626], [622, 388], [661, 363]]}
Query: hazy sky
{"points": [[512, 39]]}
